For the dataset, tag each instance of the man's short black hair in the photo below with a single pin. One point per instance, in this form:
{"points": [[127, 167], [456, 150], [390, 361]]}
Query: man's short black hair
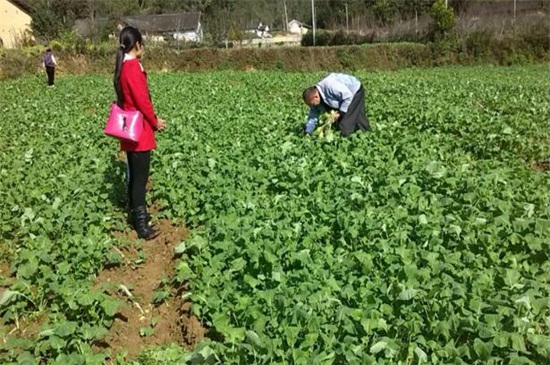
{"points": [[309, 93]]}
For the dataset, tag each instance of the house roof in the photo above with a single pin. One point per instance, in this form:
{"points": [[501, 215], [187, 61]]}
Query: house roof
{"points": [[85, 27], [160, 23], [299, 23], [23, 5]]}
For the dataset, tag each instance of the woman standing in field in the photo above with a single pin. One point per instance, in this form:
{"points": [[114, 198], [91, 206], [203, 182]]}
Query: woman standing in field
{"points": [[49, 63], [130, 82]]}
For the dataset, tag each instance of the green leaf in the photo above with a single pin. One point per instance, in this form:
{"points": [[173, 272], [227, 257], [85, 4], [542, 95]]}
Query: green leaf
{"points": [[26, 358], [180, 248], [46, 332], [520, 360], [66, 329], [422, 219], [422, 356], [110, 306], [26, 271], [518, 342], [235, 335], [184, 272], [254, 338], [197, 242], [146, 331], [159, 296], [56, 203], [482, 349], [92, 332], [28, 215], [377, 347], [56, 342], [8, 296], [408, 294], [207, 353], [525, 300]]}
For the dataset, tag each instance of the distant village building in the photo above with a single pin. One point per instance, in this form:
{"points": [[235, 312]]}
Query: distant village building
{"points": [[15, 22], [263, 31], [179, 26], [296, 27]]}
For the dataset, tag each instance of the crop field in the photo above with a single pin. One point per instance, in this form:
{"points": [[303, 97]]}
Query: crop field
{"points": [[426, 241]]}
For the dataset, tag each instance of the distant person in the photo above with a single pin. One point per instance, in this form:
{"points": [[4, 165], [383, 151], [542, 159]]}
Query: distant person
{"points": [[341, 93], [49, 63], [130, 82]]}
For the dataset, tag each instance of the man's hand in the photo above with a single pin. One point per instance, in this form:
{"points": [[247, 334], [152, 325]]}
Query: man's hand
{"points": [[335, 116], [161, 124]]}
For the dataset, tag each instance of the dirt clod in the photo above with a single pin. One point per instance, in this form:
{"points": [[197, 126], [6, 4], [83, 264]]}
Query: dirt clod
{"points": [[541, 166]]}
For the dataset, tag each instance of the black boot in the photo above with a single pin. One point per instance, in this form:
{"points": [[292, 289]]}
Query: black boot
{"points": [[131, 216], [131, 210], [141, 225]]}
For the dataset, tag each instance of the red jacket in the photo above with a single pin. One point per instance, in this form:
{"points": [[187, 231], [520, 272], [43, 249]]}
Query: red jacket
{"points": [[133, 83]]}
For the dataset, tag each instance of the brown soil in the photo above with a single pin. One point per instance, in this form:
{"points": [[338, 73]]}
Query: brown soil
{"points": [[26, 327], [5, 330], [542, 166], [91, 110], [171, 321], [149, 185], [5, 279]]}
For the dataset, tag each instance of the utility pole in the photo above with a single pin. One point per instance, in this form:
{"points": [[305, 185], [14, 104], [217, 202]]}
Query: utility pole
{"points": [[446, 3], [286, 16], [347, 22], [313, 18], [415, 24], [514, 9]]}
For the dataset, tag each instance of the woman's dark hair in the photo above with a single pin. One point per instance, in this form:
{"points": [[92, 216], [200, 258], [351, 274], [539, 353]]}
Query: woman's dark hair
{"points": [[128, 39], [48, 49]]}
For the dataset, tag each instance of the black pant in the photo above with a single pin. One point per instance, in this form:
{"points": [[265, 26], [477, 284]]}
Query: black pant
{"points": [[356, 117], [50, 71], [138, 167]]}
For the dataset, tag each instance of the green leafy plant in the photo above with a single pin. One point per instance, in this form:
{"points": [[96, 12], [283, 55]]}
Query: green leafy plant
{"points": [[324, 130], [424, 241]]}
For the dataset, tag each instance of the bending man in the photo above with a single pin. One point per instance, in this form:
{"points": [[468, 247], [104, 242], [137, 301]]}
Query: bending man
{"points": [[341, 93]]}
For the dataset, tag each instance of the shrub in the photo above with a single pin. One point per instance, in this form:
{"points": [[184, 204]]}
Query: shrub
{"points": [[321, 38], [46, 24], [478, 43], [338, 38], [15, 63], [537, 37], [443, 18], [72, 41], [56, 46]]}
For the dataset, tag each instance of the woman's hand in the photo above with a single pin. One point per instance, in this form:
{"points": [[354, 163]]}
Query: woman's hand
{"points": [[161, 124]]}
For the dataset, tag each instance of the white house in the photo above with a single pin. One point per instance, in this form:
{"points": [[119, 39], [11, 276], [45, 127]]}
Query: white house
{"points": [[180, 26], [296, 27]]}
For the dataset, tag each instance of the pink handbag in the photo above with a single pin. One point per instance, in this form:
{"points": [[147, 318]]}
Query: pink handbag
{"points": [[124, 125]]}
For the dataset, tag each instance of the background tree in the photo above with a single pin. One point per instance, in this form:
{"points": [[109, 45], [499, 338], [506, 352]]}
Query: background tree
{"points": [[218, 16], [51, 18], [443, 18]]}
